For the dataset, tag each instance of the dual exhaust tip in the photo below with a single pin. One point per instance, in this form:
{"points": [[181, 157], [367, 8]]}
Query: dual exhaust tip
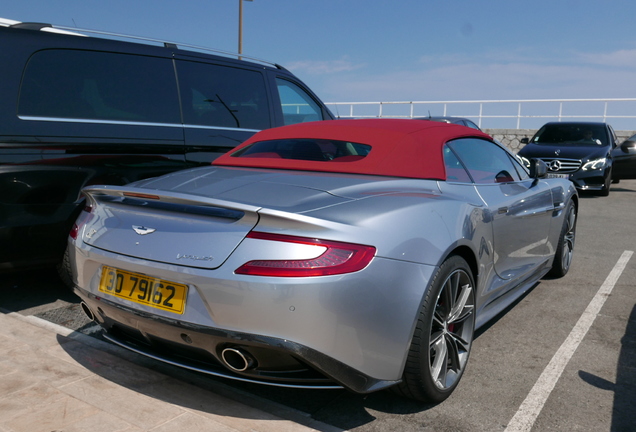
{"points": [[237, 359]]}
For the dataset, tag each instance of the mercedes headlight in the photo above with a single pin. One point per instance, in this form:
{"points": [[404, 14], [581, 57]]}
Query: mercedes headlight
{"points": [[595, 164]]}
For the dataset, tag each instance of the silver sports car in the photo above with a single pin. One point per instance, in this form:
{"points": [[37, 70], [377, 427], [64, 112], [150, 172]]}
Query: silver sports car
{"points": [[350, 253]]}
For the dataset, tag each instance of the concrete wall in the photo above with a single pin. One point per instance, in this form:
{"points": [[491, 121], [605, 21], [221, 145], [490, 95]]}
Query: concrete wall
{"points": [[512, 137]]}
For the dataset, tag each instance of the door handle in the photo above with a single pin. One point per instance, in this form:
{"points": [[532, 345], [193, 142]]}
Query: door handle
{"points": [[502, 210]]}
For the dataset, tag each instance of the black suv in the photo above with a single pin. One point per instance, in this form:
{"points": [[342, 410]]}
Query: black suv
{"points": [[77, 110], [579, 151]]}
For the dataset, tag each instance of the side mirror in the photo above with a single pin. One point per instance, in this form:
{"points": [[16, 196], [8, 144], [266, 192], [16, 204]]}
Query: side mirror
{"points": [[628, 146], [524, 140], [538, 168]]}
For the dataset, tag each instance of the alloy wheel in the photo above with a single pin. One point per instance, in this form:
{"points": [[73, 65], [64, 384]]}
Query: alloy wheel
{"points": [[452, 329], [568, 239]]}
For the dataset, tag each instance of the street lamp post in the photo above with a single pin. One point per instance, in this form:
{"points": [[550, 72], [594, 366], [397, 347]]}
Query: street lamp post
{"points": [[240, 31]]}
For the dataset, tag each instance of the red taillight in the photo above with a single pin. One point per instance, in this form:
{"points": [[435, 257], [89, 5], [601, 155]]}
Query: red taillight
{"points": [[338, 258], [76, 228]]}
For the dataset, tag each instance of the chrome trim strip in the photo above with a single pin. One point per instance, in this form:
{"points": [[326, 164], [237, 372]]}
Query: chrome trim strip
{"points": [[114, 122], [561, 165], [218, 374], [130, 123], [220, 128]]}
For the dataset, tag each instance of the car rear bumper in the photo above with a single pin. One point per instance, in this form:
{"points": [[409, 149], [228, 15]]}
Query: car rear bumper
{"points": [[220, 352], [363, 320]]}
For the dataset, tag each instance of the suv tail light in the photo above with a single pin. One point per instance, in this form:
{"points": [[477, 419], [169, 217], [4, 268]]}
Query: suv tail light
{"points": [[338, 258]]}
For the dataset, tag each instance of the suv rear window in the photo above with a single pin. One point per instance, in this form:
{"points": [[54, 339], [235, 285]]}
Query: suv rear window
{"points": [[222, 96], [99, 85]]}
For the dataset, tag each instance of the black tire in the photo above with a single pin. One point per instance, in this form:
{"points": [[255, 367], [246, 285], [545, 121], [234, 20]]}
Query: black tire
{"points": [[565, 247], [443, 336], [64, 270]]}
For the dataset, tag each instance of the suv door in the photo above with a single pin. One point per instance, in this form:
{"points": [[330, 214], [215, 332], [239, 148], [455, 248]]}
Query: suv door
{"points": [[83, 117], [222, 106]]}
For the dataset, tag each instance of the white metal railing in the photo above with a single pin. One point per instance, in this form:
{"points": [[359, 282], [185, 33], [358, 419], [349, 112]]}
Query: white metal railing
{"points": [[499, 113]]}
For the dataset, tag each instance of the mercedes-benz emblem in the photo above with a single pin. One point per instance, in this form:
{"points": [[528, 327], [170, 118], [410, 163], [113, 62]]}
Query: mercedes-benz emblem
{"points": [[142, 230], [555, 165]]}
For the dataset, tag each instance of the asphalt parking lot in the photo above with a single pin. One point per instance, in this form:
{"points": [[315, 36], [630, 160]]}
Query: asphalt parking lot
{"points": [[562, 358]]}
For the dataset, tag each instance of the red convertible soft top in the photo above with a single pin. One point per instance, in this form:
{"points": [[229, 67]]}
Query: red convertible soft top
{"points": [[399, 147]]}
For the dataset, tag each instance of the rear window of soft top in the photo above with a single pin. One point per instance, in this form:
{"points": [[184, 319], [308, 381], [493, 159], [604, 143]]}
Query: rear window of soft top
{"points": [[307, 149]]}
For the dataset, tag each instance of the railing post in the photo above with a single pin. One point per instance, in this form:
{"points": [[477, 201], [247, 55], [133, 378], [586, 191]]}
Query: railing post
{"points": [[518, 115], [605, 113], [560, 110], [481, 112]]}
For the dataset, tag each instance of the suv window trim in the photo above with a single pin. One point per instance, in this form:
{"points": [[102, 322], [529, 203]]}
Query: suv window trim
{"points": [[129, 123], [220, 128], [98, 121]]}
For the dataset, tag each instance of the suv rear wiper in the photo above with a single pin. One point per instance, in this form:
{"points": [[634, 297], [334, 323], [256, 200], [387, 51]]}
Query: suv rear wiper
{"points": [[228, 109]]}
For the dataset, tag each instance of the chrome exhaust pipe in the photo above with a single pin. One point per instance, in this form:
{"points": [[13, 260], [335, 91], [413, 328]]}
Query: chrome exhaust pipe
{"points": [[237, 359], [87, 311]]}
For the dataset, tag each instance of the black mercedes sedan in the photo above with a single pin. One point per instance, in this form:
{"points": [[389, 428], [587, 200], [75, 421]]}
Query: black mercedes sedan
{"points": [[578, 151]]}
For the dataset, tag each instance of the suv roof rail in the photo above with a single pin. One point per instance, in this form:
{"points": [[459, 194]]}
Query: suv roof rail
{"points": [[168, 44]]}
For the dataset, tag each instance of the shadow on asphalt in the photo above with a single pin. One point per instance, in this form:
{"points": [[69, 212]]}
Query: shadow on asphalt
{"points": [[624, 388], [30, 292], [338, 408], [41, 293]]}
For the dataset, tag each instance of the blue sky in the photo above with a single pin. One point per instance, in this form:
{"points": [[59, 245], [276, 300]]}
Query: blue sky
{"points": [[371, 50]]}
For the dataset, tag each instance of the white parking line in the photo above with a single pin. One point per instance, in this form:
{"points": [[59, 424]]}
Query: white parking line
{"points": [[529, 410]]}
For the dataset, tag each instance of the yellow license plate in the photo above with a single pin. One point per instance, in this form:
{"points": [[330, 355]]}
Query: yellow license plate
{"points": [[145, 290]]}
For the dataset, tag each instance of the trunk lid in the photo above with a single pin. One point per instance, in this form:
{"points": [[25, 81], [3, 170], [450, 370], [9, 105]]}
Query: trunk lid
{"points": [[168, 227], [198, 217]]}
